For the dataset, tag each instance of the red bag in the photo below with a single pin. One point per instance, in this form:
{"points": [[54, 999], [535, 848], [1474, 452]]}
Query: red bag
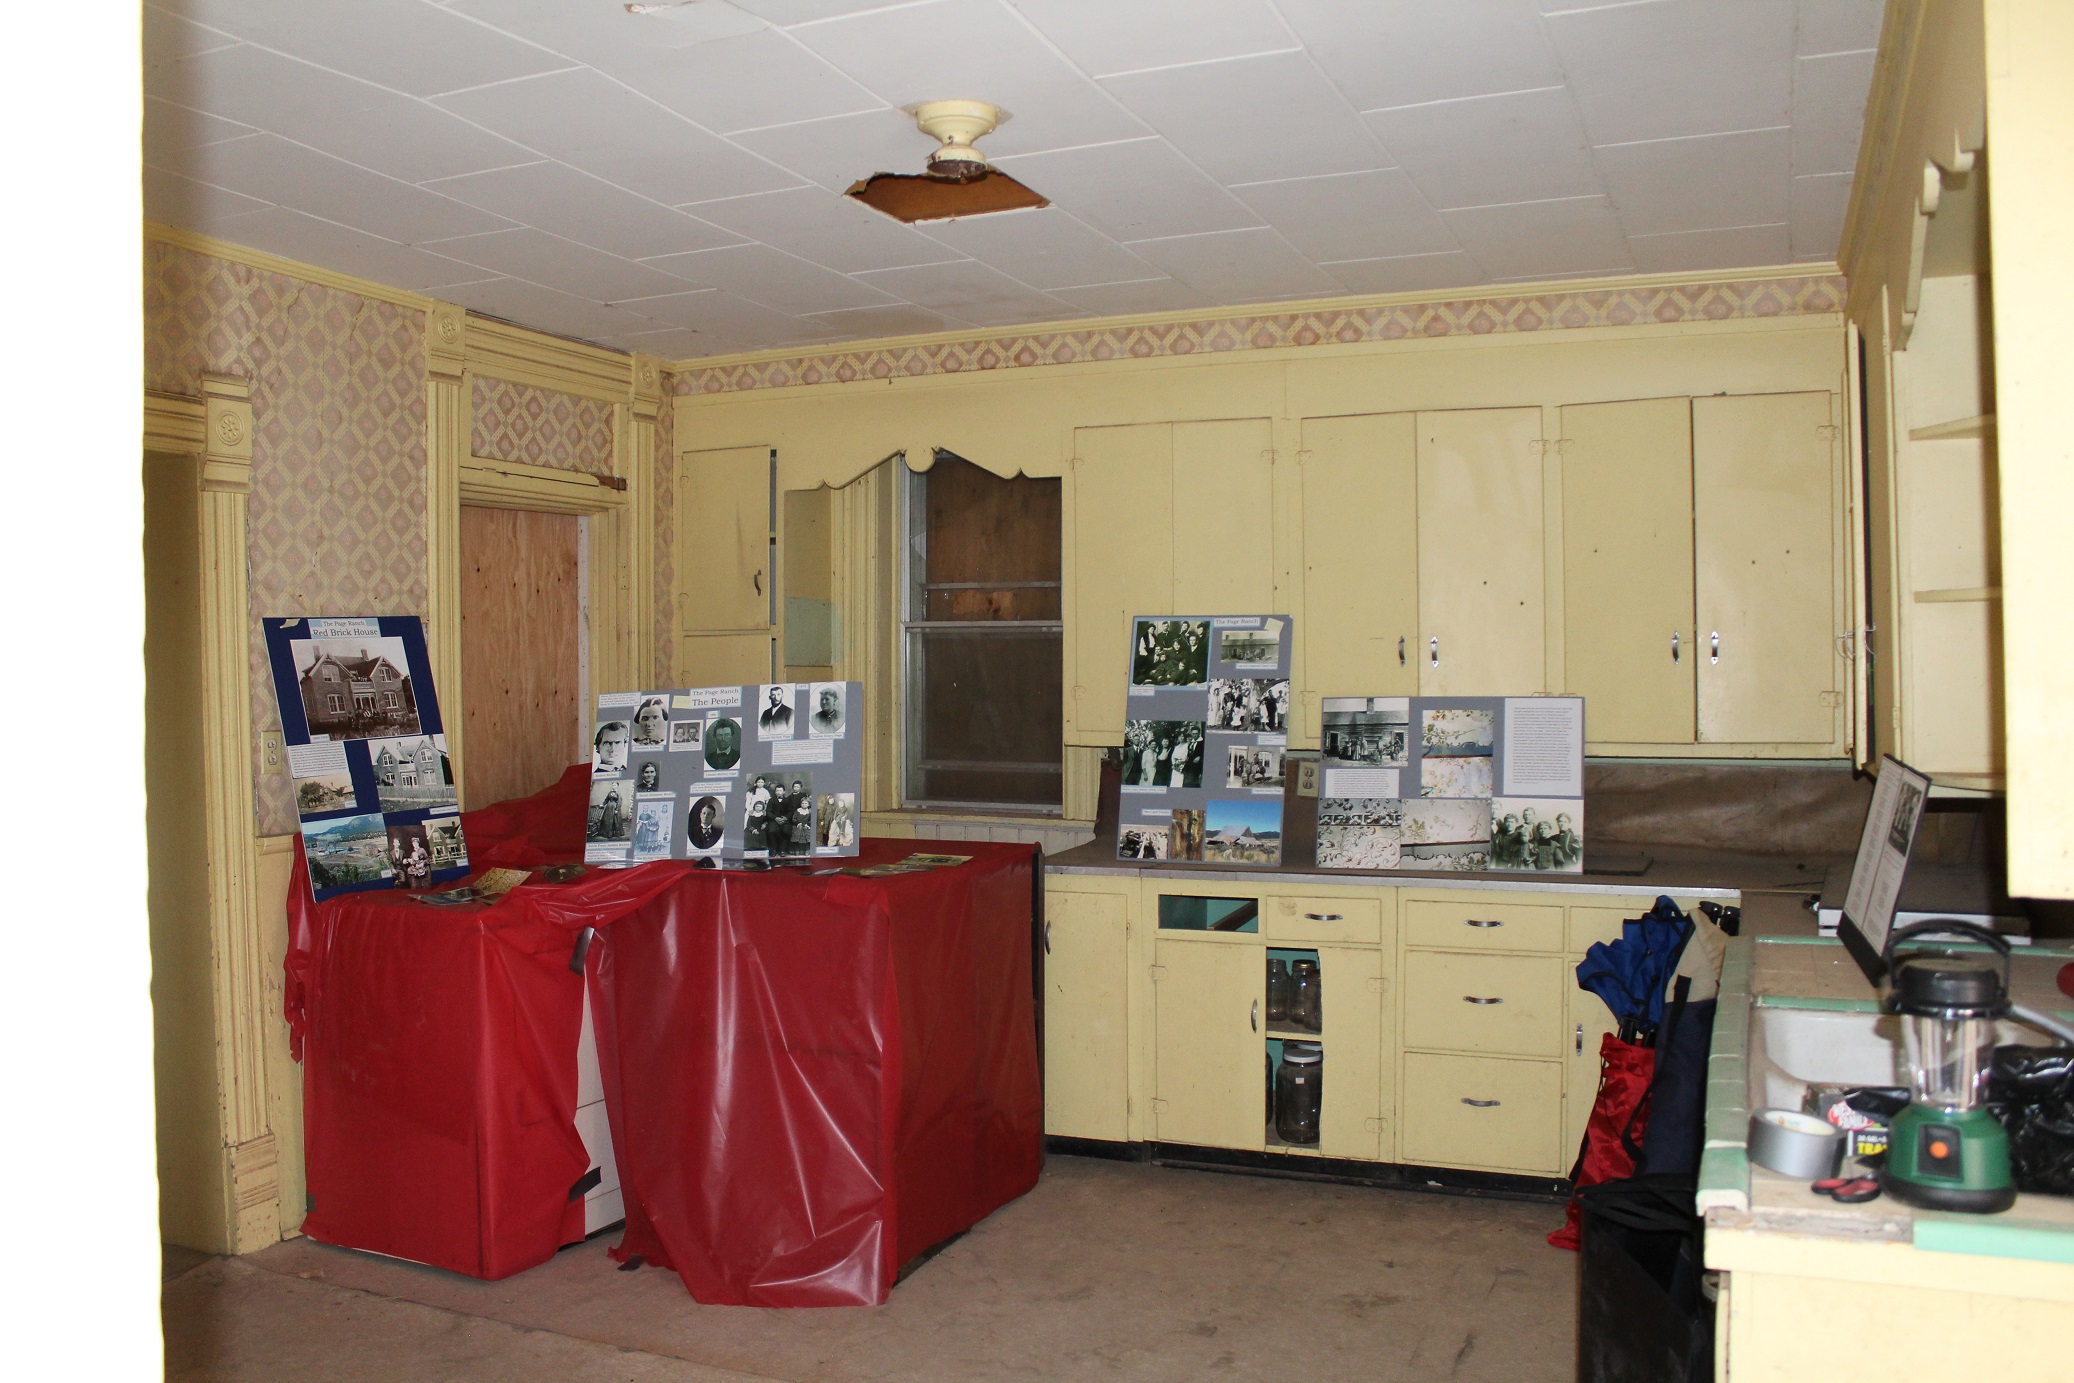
{"points": [[1620, 1114]]}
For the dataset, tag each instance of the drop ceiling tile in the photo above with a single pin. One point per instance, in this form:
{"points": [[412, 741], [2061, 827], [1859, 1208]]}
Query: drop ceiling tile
{"points": [[169, 38], [1253, 118], [727, 322], [290, 175], [345, 117], [745, 82], [1104, 37], [1234, 266], [173, 200], [973, 48], [1819, 204], [1403, 52], [1699, 184], [1350, 215], [858, 323], [171, 129], [807, 11], [553, 262], [1839, 26], [832, 230], [293, 235], [576, 206], [413, 47], [1829, 111], [968, 291], [591, 122], [1734, 248], [1132, 299], [1141, 189], [771, 277], [1043, 247], [1521, 146], [1678, 67], [837, 152], [1406, 273], [1556, 239], [602, 33], [544, 309]]}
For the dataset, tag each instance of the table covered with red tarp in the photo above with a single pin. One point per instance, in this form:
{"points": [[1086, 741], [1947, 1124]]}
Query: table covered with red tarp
{"points": [[810, 1078]]}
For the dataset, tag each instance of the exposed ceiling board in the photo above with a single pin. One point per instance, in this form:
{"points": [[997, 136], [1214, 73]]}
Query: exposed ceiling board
{"points": [[1105, 37], [1140, 189], [274, 170], [1351, 215], [278, 230], [1252, 119], [1143, 295], [1521, 146], [1403, 52], [1406, 273], [1829, 111], [410, 46], [1238, 266], [591, 122], [1676, 253], [1839, 26], [1044, 248], [1578, 235], [343, 116], [532, 255], [773, 278], [825, 227], [1678, 67], [973, 48], [576, 206], [1743, 181], [970, 292], [1819, 203]]}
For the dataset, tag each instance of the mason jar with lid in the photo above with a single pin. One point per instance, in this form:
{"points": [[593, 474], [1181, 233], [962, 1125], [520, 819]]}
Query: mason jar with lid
{"points": [[1299, 1093]]}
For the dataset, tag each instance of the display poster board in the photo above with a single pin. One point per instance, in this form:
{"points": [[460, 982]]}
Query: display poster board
{"points": [[1452, 783], [1891, 820], [761, 771], [366, 751], [1206, 724]]}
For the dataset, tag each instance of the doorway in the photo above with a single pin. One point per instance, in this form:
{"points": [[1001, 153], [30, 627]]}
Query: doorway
{"points": [[523, 654]]}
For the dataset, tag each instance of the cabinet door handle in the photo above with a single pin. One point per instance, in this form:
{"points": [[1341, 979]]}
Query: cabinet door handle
{"points": [[1580, 1039], [1433, 650], [1674, 645], [1324, 917], [1714, 647], [1047, 938], [1400, 650], [1472, 999], [1479, 1104], [756, 580], [1256, 1015], [1482, 922]]}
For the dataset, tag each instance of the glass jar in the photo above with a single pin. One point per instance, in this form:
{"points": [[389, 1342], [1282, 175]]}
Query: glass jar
{"points": [[1306, 1003], [1299, 1093], [1277, 992]]}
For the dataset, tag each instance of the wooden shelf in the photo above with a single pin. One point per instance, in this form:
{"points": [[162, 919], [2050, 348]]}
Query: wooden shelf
{"points": [[1956, 429], [1295, 1035]]}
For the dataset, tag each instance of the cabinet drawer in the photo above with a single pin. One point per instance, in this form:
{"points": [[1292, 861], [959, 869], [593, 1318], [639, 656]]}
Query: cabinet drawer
{"points": [[1588, 925], [1483, 921], [1505, 1005], [1465, 1111], [1325, 919]]}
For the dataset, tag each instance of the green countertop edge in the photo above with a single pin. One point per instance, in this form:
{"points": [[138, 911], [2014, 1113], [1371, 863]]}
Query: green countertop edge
{"points": [[1822, 1005], [1990, 1238], [1725, 1160]]}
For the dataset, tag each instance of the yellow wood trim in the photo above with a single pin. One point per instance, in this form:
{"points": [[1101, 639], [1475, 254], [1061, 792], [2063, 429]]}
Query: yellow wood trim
{"points": [[446, 340], [501, 350], [277, 264], [173, 423], [634, 436], [446, 448], [1956, 429], [1881, 133], [493, 484], [1958, 595]]}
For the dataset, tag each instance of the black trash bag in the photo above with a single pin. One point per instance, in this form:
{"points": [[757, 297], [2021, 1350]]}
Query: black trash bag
{"points": [[2031, 1090], [1643, 1311]]}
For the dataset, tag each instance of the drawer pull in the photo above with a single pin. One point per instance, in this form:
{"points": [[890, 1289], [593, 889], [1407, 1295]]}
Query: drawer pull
{"points": [[1472, 999], [1482, 922], [1479, 1104], [1580, 1039], [1047, 938], [1324, 917], [1256, 1015]]}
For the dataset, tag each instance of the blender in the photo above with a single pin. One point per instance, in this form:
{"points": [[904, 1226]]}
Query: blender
{"points": [[1947, 1151]]}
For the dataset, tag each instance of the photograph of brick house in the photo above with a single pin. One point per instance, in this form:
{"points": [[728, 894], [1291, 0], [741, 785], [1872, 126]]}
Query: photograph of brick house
{"points": [[356, 689], [411, 771]]}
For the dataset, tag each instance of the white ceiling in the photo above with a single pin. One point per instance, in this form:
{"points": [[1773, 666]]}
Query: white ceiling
{"points": [[671, 182]]}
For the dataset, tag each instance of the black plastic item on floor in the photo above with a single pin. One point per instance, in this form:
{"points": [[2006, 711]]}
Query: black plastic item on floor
{"points": [[1642, 1316]]}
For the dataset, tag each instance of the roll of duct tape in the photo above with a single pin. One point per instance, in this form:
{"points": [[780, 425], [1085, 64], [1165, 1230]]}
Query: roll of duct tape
{"points": [[1795, 1144]]}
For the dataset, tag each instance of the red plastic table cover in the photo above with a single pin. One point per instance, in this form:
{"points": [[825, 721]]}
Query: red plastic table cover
{"points": [[810, 1079]]}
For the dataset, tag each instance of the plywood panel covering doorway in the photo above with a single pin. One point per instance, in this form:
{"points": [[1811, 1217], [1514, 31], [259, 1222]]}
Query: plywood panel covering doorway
{"points": [[521, 651]]}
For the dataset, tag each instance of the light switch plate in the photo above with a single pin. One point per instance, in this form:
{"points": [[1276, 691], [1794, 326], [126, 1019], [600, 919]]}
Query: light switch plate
{"points": [[270, 757]]}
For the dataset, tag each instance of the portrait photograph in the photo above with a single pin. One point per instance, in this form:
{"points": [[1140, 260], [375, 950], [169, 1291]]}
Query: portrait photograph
{"points": [[706, 824], [835, 823], [652, 820], [648, 777], [1163, 754], [1170, 653], [1365, 731], [723, 743], [826, 719], [611, 818], [652, 723], [687, 734], [610, 747], [1541, 835], [774, 716], [410, 856]]}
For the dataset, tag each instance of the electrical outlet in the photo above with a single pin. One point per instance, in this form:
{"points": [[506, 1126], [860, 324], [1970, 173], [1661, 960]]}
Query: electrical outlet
{"points": [[270, 757]]}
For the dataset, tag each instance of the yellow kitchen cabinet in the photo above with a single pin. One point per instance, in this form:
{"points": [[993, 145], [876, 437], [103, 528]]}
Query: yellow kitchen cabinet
{"points": [[1086, 1014], [1586, 1020], [1360, 480], [1163, 518], [723, 564], [1482, 618], [1627, 569], [1351, 1122], [1491, 1004], [1763, 480], [1210, 1023], [1493, 1114]]}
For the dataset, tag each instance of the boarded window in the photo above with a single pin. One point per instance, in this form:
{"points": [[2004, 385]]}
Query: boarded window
{"points": [[984, 651]]}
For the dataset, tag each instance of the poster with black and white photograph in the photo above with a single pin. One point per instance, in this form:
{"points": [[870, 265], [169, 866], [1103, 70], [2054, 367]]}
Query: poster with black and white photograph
{"points": [[610, 744], [1206, 728], [651, 724], [366, 751], [449, 850], [1364, 731], [1544, 835], [753, 774]]}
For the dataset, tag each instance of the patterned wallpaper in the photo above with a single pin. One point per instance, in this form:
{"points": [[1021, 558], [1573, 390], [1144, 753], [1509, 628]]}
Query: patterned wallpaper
{"points": [[337, 518], [666, 535], [1609, 307], [517, 422]]}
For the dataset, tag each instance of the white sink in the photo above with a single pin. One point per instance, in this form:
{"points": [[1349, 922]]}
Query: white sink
{"points": [[1793, 1048]]}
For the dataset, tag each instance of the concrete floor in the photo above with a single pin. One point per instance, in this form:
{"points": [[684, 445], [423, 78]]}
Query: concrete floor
{"points": [[1111, 1271]]}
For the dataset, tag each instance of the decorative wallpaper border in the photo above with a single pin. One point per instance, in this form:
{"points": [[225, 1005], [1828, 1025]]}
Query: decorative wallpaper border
{"points": [[1799, 296], [517, 422]]}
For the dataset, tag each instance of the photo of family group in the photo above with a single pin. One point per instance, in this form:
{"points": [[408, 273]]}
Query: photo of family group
{"points": [[1542, 834], [1253, 766], [1170, 653], [1245, 831], [1364, 731], [1163, 754], [652, 819], [835, 821], [1359, 832], [780, 817], [1251, 705]]}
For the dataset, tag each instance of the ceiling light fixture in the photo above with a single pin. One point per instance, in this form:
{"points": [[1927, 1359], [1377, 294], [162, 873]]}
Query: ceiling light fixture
{"points": [[959, 180]]}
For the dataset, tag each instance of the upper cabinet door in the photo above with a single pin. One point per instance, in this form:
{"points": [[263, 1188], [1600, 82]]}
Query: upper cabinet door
{"points": [[1223, 519], [1481, 607], [724, 539], [1627, 569], [1764, 481], [1360, 558], [1120, 502]]}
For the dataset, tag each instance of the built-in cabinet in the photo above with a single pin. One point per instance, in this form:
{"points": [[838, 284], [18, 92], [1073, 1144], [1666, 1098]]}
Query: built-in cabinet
{"points": [[1451, 1027], [724, 545]]}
